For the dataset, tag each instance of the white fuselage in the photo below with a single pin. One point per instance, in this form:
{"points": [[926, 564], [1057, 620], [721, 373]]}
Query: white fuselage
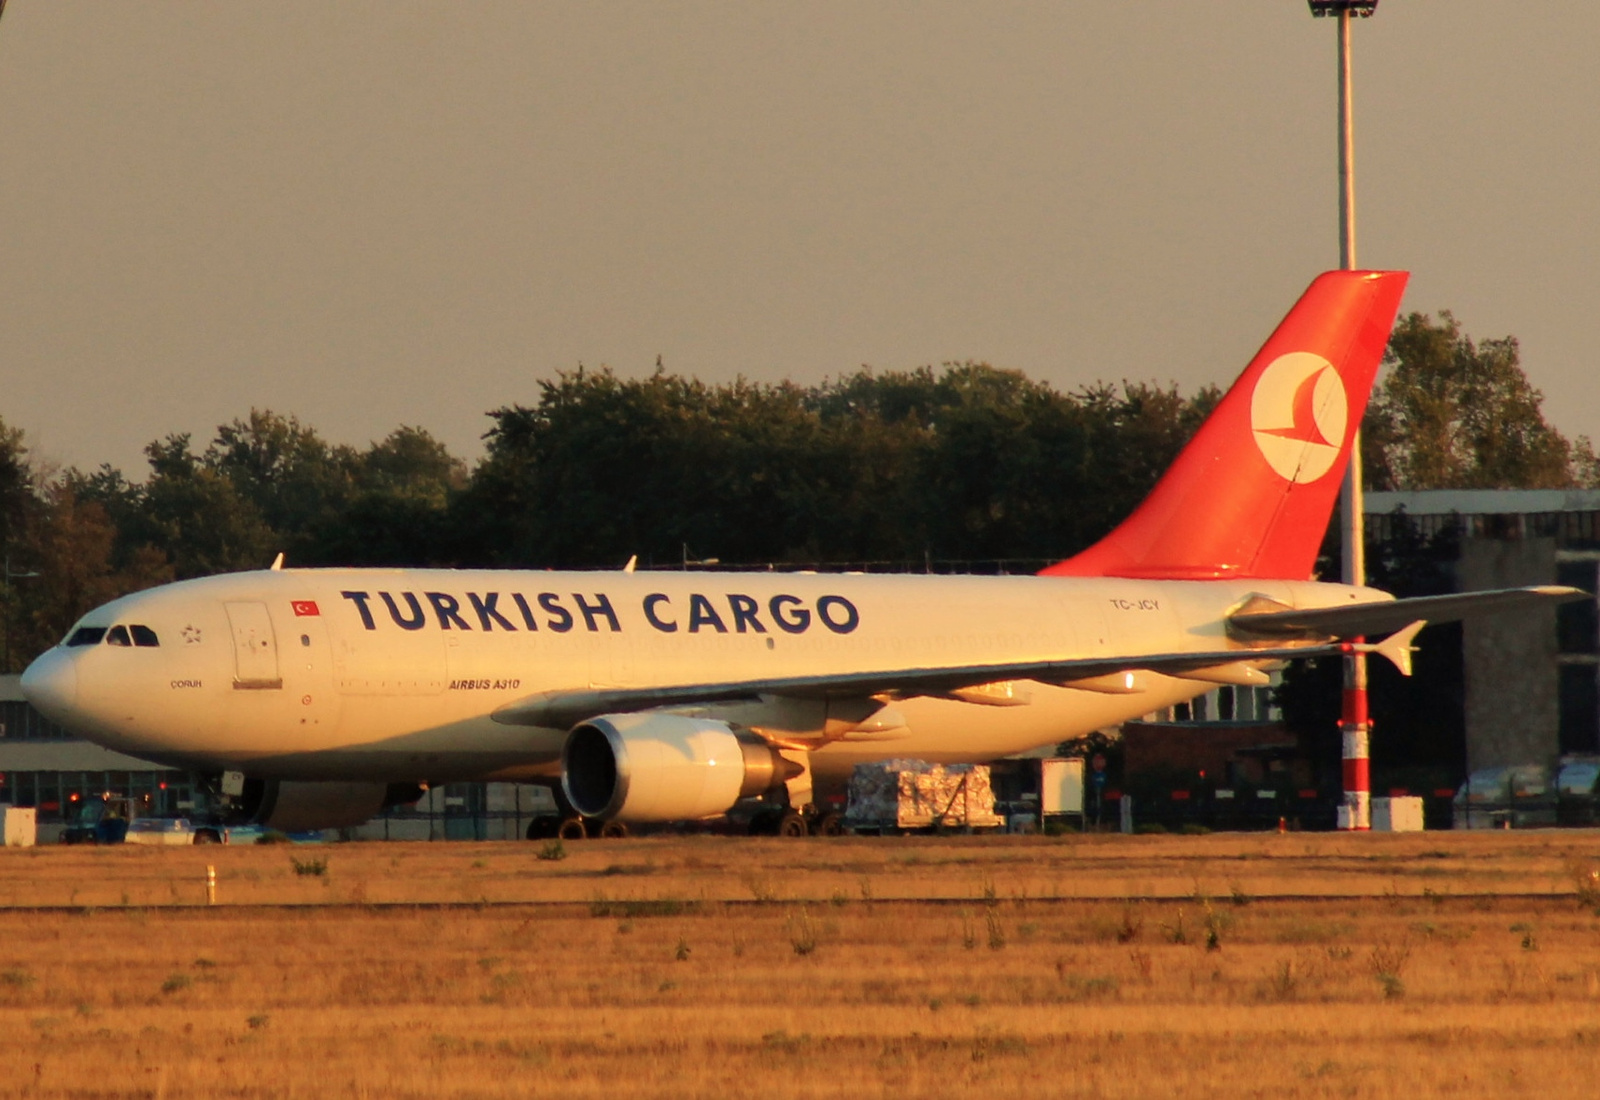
{"points": [[392, 675]]}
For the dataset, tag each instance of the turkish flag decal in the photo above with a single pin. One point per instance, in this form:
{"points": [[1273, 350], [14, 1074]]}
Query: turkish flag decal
{"points": [[305, 607]]}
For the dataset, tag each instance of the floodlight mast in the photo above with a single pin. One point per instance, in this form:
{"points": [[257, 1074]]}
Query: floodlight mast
{"points": [[1355, 725]]}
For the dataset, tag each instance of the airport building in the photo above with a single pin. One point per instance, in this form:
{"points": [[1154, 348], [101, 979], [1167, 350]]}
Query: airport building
{"points": [[1532, 693]]}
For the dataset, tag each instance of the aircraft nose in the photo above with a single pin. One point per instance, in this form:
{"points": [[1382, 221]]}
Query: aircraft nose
{"points": [[51, 685]]}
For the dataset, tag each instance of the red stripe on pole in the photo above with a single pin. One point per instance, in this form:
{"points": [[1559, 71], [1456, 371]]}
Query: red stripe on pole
{"points": [[1355, 707], [1357, 775]]}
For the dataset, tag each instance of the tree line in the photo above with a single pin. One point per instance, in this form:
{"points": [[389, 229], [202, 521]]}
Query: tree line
{"points": [[899, 469]]}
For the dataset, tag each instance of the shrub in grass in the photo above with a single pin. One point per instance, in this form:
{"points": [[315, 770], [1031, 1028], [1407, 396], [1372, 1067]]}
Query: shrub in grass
{"points": [[1176, 932], [997, 936], [1388, 963], [1132, 924], [314, 868], [969, 934], [802, 932]]}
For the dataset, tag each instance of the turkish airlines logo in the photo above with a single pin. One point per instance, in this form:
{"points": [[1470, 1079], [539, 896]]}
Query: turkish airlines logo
{"points": [[1298, 415]]}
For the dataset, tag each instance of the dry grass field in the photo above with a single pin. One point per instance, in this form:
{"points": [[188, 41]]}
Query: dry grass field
{"points": [[1239, 966]]}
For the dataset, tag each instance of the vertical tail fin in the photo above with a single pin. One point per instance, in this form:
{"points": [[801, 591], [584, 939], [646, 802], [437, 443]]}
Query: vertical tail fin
{"points": [[1251, 493]]}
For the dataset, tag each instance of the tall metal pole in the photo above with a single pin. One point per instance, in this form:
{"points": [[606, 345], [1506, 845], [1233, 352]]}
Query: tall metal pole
{"points": [[1355, 728], [5, 599]]}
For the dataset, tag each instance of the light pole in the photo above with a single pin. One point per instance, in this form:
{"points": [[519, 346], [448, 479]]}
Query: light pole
{"points": [[1354, 726], [9, 576]]}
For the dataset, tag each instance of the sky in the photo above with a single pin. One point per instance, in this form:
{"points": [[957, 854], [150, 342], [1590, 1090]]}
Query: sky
{"points": [[374, 213]]}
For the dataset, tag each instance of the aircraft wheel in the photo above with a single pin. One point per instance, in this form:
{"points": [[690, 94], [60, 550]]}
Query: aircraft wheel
{"points": [[572, 828], [614, 830], [829, 824], [792, 824], [207, 836]]}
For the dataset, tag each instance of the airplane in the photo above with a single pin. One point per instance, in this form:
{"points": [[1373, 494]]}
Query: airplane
{"points": [[318, 697]]}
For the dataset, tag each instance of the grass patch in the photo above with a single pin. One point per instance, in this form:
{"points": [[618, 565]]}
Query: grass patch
{"points": [[629, 909], [312, 867]]}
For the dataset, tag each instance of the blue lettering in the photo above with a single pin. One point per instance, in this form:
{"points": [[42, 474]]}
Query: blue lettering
{"points": [[590, 610], [527, 612], [852, 618], [448, 608], [416, 620], [563, 618], [486, 612], [744, 614], [663, 625], [790, 622], [360, 600], [701, 613]]}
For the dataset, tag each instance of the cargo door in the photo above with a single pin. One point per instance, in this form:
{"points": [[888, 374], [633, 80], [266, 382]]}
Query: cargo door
{"points": [[255, 649]]}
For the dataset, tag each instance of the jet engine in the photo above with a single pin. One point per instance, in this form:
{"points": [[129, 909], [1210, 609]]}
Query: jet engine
{"points": [[292, 806], [665, 767]]}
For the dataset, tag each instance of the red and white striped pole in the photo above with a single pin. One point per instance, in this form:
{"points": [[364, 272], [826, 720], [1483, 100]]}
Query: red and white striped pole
{"points": [[1356, 810]]}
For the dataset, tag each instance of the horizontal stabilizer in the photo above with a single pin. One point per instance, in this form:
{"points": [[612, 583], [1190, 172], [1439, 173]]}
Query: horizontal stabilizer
{"points": [[1388, 615]]}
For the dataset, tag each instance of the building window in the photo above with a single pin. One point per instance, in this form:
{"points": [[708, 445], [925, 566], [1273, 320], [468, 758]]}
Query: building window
{"points": [[1578, 623], [1579, 709], [20, 722]]}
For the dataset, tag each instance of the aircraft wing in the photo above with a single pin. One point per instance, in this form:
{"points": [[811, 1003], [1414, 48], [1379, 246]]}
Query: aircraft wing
{"points": [[1309, 628], [1387, 615], [560, 709]]}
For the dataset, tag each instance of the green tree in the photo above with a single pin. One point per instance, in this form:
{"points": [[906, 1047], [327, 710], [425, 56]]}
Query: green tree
{"points": [[395, 507], [266, 484], [197, 515], [1451, 414], [69, 548], [16, 484], [603, 467], [18, 504], [964, 462], [295, 480]]}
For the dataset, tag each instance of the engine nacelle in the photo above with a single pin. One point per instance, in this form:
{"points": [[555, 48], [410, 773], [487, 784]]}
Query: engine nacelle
{"points": [[665, 767], [293, 806]]}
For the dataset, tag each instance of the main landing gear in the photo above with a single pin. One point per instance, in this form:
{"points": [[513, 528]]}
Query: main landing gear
{"points": [[569, 824], [797, 823], [575, 827]]}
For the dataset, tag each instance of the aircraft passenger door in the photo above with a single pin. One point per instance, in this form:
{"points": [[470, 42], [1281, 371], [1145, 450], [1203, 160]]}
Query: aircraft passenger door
{"points": [[255, 649]]}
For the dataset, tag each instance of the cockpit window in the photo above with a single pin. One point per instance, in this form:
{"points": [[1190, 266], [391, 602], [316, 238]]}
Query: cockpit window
{"points": [[144, 636], [87, 635], [118, 636]]}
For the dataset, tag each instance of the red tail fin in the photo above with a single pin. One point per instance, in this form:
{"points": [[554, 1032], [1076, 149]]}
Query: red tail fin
{"points": [[1251, 494]]}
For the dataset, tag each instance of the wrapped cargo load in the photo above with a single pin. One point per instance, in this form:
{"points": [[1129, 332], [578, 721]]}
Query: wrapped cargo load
{"points": [[914, 794]]}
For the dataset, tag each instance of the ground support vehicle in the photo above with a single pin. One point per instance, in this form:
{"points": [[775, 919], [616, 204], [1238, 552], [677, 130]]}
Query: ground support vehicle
{"points": [[100, 821]]}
